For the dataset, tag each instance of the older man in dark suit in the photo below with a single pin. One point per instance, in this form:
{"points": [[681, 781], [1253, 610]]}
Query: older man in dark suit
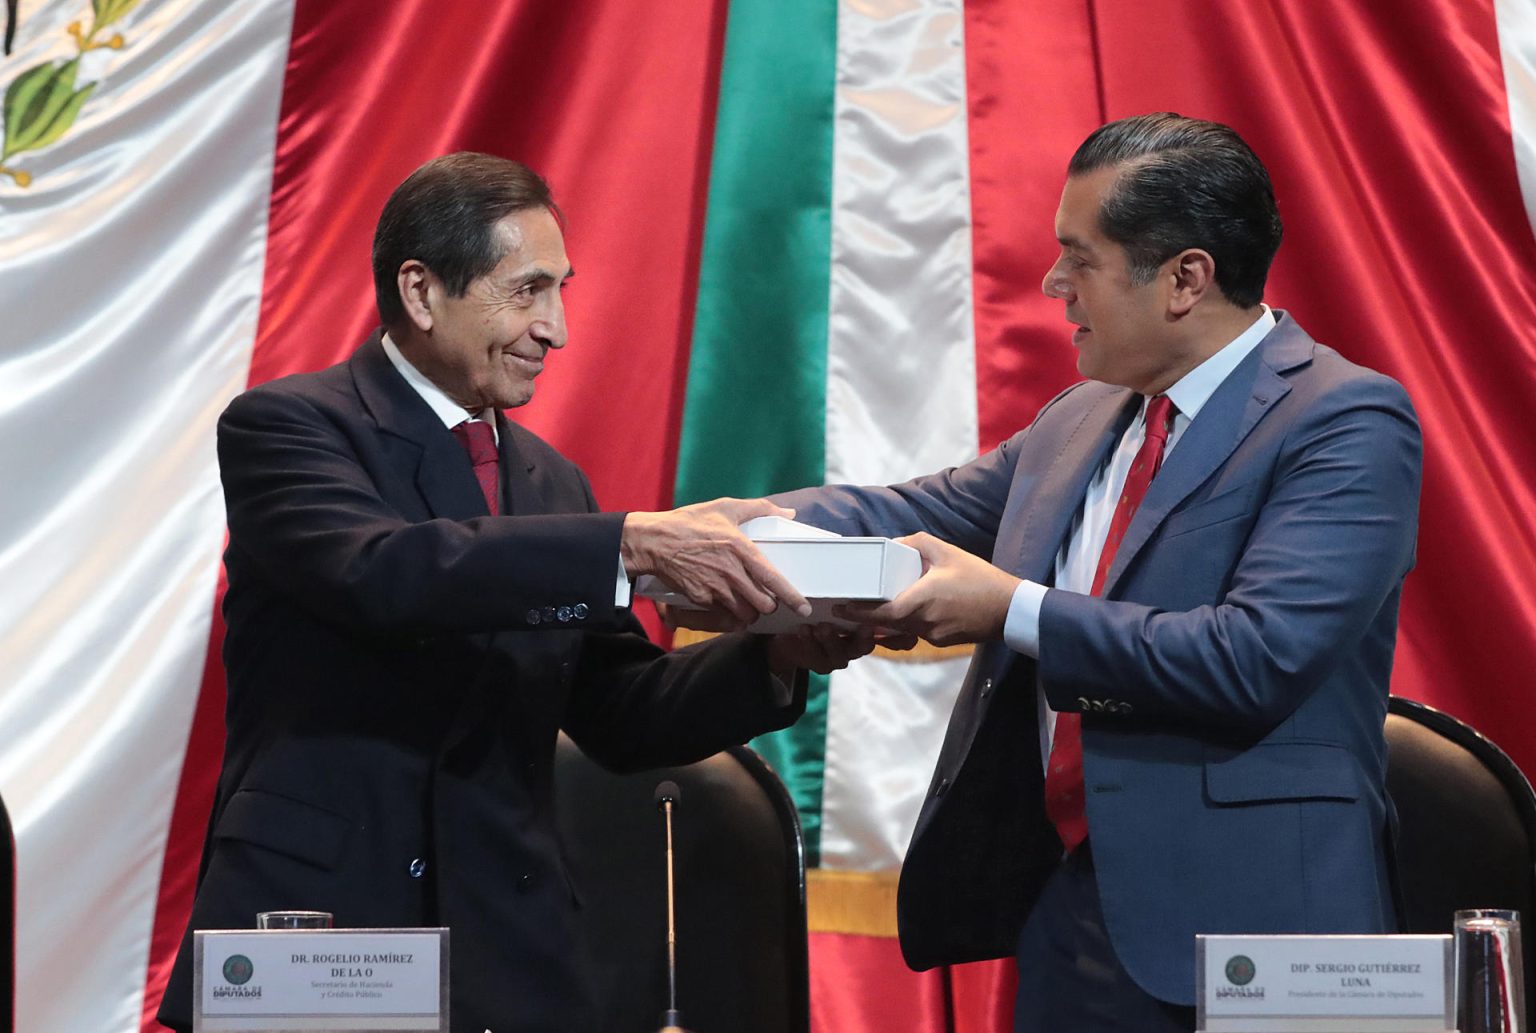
{"points": [[421, 593]]}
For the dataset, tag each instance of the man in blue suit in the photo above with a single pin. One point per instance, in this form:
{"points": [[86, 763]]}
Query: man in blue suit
{"points": [[1173, 723]]}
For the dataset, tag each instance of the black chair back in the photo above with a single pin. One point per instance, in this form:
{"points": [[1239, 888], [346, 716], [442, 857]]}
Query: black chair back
{"points": [[740, 868], [7, 922], [1466, 825]]}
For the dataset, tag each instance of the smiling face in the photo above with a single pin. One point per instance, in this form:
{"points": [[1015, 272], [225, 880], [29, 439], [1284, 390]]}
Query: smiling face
{"points": [[1124, 334], [484, 349]]}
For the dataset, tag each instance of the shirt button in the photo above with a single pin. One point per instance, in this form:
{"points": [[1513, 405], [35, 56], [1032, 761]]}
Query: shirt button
{"points": [[533, 616], [563, 615], [418, 868], [581, 611]]}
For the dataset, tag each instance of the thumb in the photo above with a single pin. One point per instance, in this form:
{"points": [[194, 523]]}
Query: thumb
{"points": [[927, 546]]}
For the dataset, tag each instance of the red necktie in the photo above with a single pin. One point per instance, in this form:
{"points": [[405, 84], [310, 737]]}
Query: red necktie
{"points": [[1064, 791], [480, 442]]}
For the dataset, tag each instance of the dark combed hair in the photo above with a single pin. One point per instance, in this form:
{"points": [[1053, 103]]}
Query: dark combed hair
{"points": [[1185, 183], [444, 215]]}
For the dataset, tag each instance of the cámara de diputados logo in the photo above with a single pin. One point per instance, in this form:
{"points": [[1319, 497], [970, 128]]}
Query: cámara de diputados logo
{"points": [[1240, 971], [238, 971]]}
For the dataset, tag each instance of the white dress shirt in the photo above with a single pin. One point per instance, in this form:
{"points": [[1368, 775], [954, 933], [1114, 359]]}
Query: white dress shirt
{"points": [[450, 412]]}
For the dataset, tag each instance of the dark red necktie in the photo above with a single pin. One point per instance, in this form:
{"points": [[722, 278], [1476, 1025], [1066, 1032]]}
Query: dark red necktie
{"points": [[480, 442], [1064, 791]]}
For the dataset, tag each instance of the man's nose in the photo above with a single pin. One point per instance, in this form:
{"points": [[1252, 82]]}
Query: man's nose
{"points": [[549, 328], [1056, 285]]}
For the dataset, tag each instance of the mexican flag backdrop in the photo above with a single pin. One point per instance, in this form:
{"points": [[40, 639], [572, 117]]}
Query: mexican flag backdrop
{"points": [[810, 236]]}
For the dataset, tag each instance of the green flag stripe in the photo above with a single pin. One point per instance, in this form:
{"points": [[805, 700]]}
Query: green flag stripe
{"points": [[755, 412]]}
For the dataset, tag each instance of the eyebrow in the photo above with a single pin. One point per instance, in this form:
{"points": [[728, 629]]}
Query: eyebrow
{"points": [[542, 276]]}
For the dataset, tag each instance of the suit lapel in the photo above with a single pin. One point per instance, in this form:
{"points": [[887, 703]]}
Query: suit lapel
{"points": [[420, 449], [1057, 498], [519, 493], [1242, 400]]}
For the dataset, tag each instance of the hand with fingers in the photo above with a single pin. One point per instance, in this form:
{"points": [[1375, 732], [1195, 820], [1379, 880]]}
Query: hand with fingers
{"points": [[699, 550], [825, 648], [960, 598]]}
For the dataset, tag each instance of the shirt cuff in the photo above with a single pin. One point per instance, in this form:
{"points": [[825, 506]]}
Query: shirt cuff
{"points": [[623, 591], [1021, 631]]}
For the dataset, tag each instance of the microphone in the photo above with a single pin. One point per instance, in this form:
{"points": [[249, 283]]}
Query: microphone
{"points": [[667, 797]]}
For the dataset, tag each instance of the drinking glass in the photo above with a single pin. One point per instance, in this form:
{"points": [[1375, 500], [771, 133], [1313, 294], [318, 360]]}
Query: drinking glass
{"points": [[1490, 972], [293, 920]]}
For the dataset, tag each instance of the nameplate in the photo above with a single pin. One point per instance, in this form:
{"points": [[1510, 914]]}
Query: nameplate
{"points": [[1323, 984], [320, 980]]}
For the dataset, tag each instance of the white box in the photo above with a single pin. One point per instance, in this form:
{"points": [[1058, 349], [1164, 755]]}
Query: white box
{"points": [[825, 567]]}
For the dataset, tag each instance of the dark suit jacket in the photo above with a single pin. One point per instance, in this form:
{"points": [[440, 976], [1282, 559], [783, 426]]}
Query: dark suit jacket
{"points": [[1232, 680], [398, 665]]}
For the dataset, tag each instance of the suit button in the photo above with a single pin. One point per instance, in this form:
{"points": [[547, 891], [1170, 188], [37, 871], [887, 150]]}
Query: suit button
{"points": [[525, 882], [418, 868], [942, 787], [986, 687], [581, 611], [563, 615], [1083, 703], [549, 613], [533, 616]]}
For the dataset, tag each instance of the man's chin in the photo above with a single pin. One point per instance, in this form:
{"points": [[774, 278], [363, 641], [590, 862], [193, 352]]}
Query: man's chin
{"points": [[513, 399]]}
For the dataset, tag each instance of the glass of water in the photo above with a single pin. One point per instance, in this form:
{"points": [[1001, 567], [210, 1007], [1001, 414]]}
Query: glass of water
{"points": [[293, 920], [1490, 972]]}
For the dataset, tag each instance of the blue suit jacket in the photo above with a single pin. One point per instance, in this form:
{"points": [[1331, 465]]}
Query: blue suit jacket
{"points": [[1233, 679]]}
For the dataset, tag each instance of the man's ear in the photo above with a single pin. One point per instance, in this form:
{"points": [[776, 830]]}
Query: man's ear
{"points": [[1194, 274], [414, 282]]}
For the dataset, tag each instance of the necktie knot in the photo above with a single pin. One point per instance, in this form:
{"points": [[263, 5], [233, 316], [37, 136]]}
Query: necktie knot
{"points": [[478, 440], [1160, 414]]}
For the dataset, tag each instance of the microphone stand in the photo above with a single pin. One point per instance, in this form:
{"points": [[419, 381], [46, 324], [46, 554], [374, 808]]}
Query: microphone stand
{"points": [[667, 797]]}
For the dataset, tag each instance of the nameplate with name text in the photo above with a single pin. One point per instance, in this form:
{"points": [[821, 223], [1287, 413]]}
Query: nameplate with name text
{"points": [[320, 980], [1323, 984]]}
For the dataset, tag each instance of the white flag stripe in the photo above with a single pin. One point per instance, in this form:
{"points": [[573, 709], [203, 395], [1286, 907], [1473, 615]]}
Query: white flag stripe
{"points": [[132, 265], [884, 732], [901, 376], [1517, 47]]}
